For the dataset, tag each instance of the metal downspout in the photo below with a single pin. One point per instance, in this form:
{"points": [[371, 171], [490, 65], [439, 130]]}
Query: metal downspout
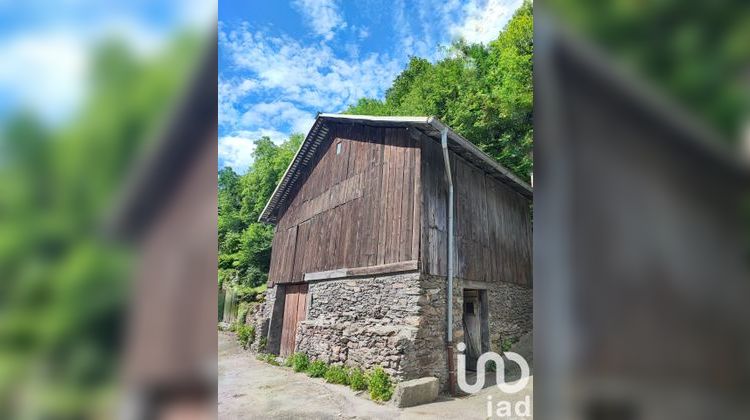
{"points": [[449, 344]]}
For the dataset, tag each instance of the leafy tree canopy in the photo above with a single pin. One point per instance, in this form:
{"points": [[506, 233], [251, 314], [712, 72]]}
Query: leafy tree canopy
{"points": [[485, 93]]}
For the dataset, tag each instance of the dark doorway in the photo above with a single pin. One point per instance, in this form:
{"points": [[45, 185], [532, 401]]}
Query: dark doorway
{"points": [[475, 324]]}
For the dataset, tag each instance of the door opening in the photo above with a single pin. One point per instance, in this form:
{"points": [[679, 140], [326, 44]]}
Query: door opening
{"points": [[475, 325]]}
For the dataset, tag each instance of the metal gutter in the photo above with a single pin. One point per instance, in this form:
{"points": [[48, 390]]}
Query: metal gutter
{"points": [[449, 183]]}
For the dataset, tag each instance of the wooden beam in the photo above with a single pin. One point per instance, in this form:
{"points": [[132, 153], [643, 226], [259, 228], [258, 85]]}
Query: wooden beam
{"points": [[397, 267], [472, 284], [326, 275]]}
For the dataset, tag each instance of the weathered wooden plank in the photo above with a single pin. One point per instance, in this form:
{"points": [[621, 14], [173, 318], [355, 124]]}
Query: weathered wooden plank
{"points": [[397, 267], [417, 199], [384, 197]]}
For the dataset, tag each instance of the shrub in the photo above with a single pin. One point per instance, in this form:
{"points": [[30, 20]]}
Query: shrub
{"points": [[380, 385], [299, 362], [317, 369], [245, 335], [262, 344], [337, 375], [357, 380]]}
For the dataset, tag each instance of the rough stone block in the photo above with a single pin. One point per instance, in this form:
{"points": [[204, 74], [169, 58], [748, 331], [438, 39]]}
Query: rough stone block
{"points": [[416, 392]]}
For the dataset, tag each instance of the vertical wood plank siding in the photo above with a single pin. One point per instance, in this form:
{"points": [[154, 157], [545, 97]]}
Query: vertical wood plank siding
{"points": [[353, 209], [492, 223]]}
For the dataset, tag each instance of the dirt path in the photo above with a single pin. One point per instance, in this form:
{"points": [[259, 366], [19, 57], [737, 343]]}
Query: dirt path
{"points": [[250, 389]]}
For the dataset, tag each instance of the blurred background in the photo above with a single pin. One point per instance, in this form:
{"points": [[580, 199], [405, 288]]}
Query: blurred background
{"points": [[86, 90], [641, 217]]}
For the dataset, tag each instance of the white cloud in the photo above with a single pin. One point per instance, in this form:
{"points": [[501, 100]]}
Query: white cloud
{"points": [[236, 150], [363, 32], [44, 71], [484, 19], [309, 78], [322, 16], [278, 114], [275, 84]]}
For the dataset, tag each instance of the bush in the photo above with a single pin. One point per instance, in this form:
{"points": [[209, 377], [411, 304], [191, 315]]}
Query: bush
{"points": [[380, 385], [245, 335], [262, 344], [357, 380], [299, 362], [337, 375], [317, 369]]}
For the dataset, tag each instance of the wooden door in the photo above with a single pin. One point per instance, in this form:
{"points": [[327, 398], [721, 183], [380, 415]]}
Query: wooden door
{"points": [[295, 307], [472, 328]]}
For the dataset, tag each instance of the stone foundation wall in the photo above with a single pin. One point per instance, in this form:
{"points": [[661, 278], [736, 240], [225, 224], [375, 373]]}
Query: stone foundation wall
{"points": [[511, 313], [394, 321], [363, 322]]}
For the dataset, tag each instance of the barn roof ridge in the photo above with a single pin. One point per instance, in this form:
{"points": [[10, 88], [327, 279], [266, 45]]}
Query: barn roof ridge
{"points": [[428, 125]]}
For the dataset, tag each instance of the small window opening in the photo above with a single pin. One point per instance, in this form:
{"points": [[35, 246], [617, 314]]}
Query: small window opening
{"points": [[469, 308], [338, 148]]}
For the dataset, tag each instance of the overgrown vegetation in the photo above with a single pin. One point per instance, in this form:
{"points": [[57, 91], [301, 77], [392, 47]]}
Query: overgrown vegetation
{"points": [[262, 344], [299, 362], [357, 379], [317, 369], [483, 92], [337, 375], [377, 381], [380, 385], [245, 335]]}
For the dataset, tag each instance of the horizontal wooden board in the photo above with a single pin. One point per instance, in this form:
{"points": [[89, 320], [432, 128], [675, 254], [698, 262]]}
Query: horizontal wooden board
{"points": [[398, 267]]}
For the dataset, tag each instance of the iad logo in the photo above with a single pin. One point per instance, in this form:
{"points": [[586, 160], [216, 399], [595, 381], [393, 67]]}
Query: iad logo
{"points": [[499, 371]]}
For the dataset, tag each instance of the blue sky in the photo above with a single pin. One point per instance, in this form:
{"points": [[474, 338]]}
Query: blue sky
{"points": [[46, 45], [280, 62]]}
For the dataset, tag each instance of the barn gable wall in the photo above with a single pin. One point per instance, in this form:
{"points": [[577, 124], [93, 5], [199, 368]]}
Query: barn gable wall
{"points": [[354, 208], [492, 223]]}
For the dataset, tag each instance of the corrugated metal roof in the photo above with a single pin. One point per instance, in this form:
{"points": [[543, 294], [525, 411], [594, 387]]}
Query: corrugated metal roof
{"points": [[430, 126]]}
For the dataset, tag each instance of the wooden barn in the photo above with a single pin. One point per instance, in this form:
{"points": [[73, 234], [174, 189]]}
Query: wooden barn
{"points": [[360, 269]]}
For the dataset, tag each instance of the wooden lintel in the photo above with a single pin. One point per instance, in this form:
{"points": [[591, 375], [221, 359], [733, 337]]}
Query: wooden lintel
{"points": [[473, 284], [398, 267]]}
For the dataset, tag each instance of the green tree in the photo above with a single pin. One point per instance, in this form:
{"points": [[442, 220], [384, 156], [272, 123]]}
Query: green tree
{"points": [[244, 242], [485, 93]]}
